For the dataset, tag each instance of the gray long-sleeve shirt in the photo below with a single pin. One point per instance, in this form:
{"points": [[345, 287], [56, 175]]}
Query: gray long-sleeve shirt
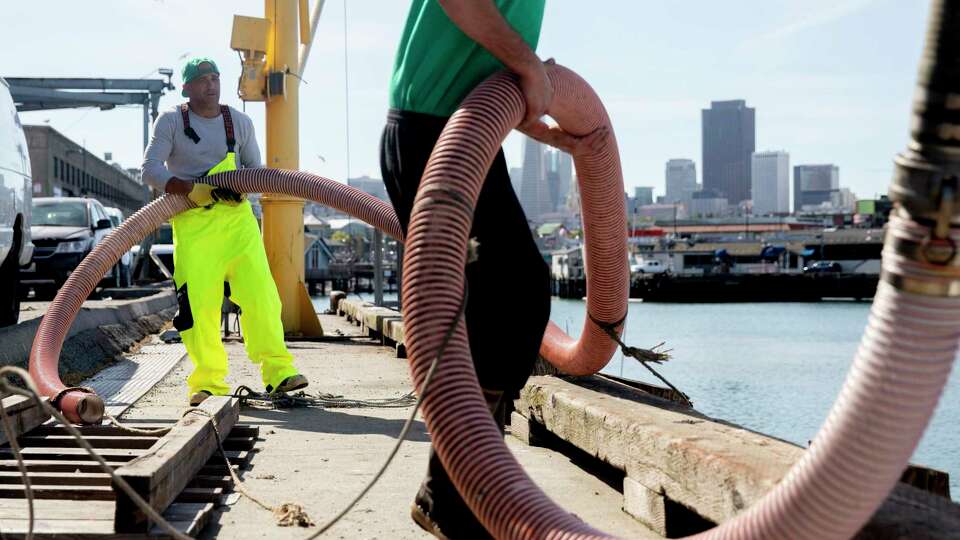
{"points": [[172, 154]]}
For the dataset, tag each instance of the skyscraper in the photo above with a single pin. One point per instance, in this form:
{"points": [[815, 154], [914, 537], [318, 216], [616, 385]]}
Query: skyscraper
{"points": [[643, 195], [770, 184], [534, 190], [564, 167], [681, 181], [729, 133], [814, 185]]}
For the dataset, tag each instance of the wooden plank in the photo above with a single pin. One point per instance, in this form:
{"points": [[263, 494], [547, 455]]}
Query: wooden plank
{"points": [[57, 478], [75, 493], [57, 429], [239, 443], [927, 479], [189, 518], [245, 430], [141, 442], [240, 459], [109, 454], [82, 463], [161, 474], [44, 465], [95, 529], [201, 495], [47, 510], [208, 481], [25, 415]]}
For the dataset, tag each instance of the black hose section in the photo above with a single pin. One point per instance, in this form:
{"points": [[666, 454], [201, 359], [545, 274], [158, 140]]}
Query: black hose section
{"points": [[925, 179], [936, 113]]}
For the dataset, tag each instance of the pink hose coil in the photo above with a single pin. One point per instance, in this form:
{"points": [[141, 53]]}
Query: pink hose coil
{"points": [[891, 391], [906, 353], [83, 407]]}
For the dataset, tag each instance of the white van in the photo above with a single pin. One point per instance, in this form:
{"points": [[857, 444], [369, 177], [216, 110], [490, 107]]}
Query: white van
{"points": [[16, 246], [648, 266]]}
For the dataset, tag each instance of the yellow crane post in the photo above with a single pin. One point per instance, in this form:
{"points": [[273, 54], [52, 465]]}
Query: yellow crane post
{"points": [[271, 69]]}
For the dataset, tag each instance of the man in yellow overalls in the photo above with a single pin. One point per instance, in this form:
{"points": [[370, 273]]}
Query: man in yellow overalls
{"points": [[218, 242]]}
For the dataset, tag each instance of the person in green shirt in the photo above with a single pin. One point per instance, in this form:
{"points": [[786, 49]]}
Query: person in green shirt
{"points": [[447, 48]]}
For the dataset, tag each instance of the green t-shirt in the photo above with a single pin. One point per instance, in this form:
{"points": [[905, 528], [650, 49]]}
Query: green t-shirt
{"points": [[437, 64]]}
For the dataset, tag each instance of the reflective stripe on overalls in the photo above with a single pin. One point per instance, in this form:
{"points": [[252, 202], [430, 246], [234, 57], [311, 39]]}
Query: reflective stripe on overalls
{"points": [[216, 244]]}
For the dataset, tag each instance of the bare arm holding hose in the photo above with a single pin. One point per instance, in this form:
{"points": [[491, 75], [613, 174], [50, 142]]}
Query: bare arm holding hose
{"points": [[483, 23]]}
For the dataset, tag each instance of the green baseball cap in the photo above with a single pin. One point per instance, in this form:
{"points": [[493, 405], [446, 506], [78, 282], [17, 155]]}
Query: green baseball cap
{"points": [[192, 70]]}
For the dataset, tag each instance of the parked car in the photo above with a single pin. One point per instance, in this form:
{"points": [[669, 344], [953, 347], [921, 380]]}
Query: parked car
{"points": [[65, 230], [161, 254], [648, 266], [123, 272], [820, 267], [16, 247]]}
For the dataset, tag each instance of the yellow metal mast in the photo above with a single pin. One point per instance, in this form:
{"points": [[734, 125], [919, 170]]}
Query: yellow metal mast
{"points": [[272, 65]]}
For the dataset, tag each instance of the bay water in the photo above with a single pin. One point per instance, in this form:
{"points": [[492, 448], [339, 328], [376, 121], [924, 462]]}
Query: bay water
{"points": [[775, 368]]}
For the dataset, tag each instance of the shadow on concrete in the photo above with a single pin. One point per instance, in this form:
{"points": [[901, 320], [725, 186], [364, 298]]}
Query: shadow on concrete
{"points": [[333, 421]]}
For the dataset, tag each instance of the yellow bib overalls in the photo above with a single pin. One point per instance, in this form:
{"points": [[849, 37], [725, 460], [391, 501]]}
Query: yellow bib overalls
{"points": [[216, 244]]}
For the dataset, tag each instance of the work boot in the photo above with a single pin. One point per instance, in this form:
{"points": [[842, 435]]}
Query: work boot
{"points": [[425, 522], [294, 382], [198, 397]]}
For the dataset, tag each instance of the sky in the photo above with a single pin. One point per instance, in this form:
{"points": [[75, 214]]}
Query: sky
{"points": [[831, 80]]}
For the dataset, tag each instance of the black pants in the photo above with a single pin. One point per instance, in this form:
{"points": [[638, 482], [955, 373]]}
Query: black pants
{"points": [[508, 285]]}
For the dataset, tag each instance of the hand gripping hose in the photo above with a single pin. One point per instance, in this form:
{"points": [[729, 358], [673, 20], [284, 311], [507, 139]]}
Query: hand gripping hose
{"points": [[80, 405]]}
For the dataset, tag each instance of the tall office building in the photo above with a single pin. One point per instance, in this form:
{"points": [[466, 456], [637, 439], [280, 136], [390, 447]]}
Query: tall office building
{"points": [[729, 133], [681, 181], [643, 195], [535, 197], [814, 185], [770, 182], [563, 164]]}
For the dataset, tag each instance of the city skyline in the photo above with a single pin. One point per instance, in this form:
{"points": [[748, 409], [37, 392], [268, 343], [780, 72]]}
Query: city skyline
{"points": [[832, 80]]}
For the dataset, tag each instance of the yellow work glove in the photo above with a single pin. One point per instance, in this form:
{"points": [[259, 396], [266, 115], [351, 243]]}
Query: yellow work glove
{"points": [[201, 194]]}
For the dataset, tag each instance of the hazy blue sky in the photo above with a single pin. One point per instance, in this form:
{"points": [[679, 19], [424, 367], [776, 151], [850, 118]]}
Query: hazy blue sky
{"points": [[831, 79]]}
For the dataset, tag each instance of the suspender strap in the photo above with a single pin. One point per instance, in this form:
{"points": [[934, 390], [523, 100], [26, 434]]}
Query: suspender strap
{"points": [[228, 127], [187, 130]]}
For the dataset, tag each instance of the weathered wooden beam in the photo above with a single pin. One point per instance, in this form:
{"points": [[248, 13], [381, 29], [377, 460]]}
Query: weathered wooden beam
{"points": [[73, 454], [200, 495], [141, 442], [73, 493], [25, 415], [239, 443], [57, 478], [48, 465], [160, 475], [207, 481], [669, 453], [240, 430], [84, 522]]}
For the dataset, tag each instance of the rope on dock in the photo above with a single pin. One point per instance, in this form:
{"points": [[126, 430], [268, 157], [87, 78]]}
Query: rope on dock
{"points": [[286, 514], [279, 400], [644, 356]]}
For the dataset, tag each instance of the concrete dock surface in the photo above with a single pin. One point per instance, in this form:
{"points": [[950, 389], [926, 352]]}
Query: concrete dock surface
{"points": [[321, 458]]}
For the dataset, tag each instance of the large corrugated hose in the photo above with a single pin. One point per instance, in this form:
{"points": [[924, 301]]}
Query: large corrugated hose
{"points": [[893, 386], [82, 405]]}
